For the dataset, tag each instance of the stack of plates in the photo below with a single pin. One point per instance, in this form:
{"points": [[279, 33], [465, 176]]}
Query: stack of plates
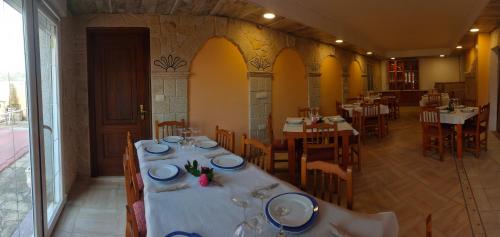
{"points": [[206, 144], [227, 162], [157, 149], [303, 210], [164, 172], [173, 139]]}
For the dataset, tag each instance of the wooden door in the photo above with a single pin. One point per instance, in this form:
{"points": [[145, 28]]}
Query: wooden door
{"points": [[118, 75]]}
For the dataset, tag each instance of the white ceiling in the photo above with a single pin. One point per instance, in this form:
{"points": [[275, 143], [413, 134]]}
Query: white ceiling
{"points": [[392, 28]]}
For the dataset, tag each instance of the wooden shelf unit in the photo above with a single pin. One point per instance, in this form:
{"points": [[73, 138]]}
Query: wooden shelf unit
{"points": [[403, 74]]}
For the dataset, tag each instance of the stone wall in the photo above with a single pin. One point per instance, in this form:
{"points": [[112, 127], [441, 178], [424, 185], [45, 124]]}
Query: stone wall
{"points": [[181, 37]]}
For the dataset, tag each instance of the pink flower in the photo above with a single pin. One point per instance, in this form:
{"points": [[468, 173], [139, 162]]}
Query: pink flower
{"points": [[203, 180]]}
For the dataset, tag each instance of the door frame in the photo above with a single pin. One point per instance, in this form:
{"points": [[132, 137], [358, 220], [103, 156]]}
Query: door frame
{"points": [[91, 86]]}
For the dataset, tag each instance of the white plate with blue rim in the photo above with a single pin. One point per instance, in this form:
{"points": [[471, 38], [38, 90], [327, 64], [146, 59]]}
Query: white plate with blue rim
{"points": [[173, 139], [164, 172], [303, 210], [336, 119], [227, 162], [157, 149], [206, 144]]}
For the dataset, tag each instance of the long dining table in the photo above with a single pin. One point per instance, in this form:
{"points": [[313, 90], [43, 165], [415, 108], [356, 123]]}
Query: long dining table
{"points": [[209, 212], [294, 132], [457, 118]]}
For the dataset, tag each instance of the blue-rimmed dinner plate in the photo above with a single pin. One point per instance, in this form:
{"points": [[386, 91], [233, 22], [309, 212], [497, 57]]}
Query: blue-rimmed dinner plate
{"points": [[173, 139], [303, 210], [206, 144], [157, 148], [227, 162], [164, 172]]}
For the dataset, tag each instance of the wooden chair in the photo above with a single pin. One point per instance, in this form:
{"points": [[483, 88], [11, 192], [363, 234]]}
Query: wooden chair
{"points": [[476, 136], [342, 112], [134, 165], [321, 141], [370, 120], [433, 130], [327, 179], [428, 226], [257, 153], [434, 100], [224, 138], [391, 103], [353, 100], [136, 216], [278, 145], [167, 128], [305, 111]]}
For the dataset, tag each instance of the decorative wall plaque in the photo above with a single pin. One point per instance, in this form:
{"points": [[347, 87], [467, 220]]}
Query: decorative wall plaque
{"points": [[170, 62]]}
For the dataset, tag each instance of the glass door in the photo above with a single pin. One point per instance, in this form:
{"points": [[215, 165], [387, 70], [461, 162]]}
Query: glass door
{"points": [[49, 71], [16, 157]]}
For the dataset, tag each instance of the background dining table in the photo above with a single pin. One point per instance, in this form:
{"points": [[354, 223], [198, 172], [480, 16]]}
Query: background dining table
{"points": [[293, 132], [210, 212], [457, 118], [384, 109]]}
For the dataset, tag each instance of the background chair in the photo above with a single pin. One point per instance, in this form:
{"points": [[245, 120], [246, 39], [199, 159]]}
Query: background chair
{"points": [[134, 165], [136, 216], [278, 145], [305, 111], [321, 142], [326, 181], [434, 100], [257, 153], [476, 135], [433, 132], [167, 128], [370, 120], [224, 138]]}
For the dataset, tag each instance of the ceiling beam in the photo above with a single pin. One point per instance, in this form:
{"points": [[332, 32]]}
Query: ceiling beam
{"points": [[175, 6], [217, 7]]}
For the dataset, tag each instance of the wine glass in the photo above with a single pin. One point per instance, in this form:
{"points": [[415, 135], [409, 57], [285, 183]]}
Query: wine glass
{"points": [[281, 211], [244, 229], [261, 193]]}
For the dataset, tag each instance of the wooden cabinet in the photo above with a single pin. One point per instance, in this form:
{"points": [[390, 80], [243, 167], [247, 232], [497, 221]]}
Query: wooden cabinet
{"points": [[403, 74]]}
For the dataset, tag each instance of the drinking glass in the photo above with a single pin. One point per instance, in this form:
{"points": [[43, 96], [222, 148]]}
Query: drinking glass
{"points": [[261, 193], [244, 229], [282, 211]]}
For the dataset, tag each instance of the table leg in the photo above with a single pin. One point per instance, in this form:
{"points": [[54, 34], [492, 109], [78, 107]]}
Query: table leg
{"points": [[346, 151], [292, 161], [459, 141]]}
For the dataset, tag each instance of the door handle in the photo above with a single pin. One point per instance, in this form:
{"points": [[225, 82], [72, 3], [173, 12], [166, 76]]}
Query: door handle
{"points": [[142, 112]]}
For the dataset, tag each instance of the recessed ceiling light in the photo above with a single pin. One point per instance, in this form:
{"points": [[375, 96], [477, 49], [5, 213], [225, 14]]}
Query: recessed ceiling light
{"points": [[393, 58], [369, 53], [339, 41], [459, 46], [474, 30], [442, 55], [269, 15]]}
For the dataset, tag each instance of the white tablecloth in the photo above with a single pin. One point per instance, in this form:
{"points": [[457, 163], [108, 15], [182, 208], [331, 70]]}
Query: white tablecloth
{"points": [[209, 212], [445, 99], [384, 109], [291, 127], [457, 116]]}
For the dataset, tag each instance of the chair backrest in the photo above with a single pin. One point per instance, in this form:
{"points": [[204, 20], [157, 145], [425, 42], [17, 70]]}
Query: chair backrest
{"points": [[338, 107], [370, 110], [321, 136], [434, 99], [326, 180], [356, 120], [270, 131], [131, 192], [483, 117], [224, 138], [305, 111], [430, 118], [428, 226], [167, 128], [257, 153], [133, 162]]}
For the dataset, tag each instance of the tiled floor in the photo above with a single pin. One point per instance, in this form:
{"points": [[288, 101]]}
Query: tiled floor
{"points": [[395, 176], [95, 207]]}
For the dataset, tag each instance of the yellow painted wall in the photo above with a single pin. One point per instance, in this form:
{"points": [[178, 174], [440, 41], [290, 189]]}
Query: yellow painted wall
{"points": [[483, 53], [218, 89], [377, 76], [289, 88], [355, 80], [330, 85]]}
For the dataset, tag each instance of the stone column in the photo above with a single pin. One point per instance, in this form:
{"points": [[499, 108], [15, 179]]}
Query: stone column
{"points": [[259, 103], [169, 96], [313, 89]]}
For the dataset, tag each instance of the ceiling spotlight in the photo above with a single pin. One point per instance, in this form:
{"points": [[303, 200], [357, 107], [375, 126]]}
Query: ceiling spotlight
{"points": [[369, 53], [441, 56], [459, 46], [269, 15], [474, 30], [393, 58], [339, 41]]}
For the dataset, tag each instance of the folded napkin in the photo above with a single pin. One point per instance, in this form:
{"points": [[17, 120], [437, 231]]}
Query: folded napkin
{"points": [[338, 232], [171, 188], [155, 157], [382, 224]]}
